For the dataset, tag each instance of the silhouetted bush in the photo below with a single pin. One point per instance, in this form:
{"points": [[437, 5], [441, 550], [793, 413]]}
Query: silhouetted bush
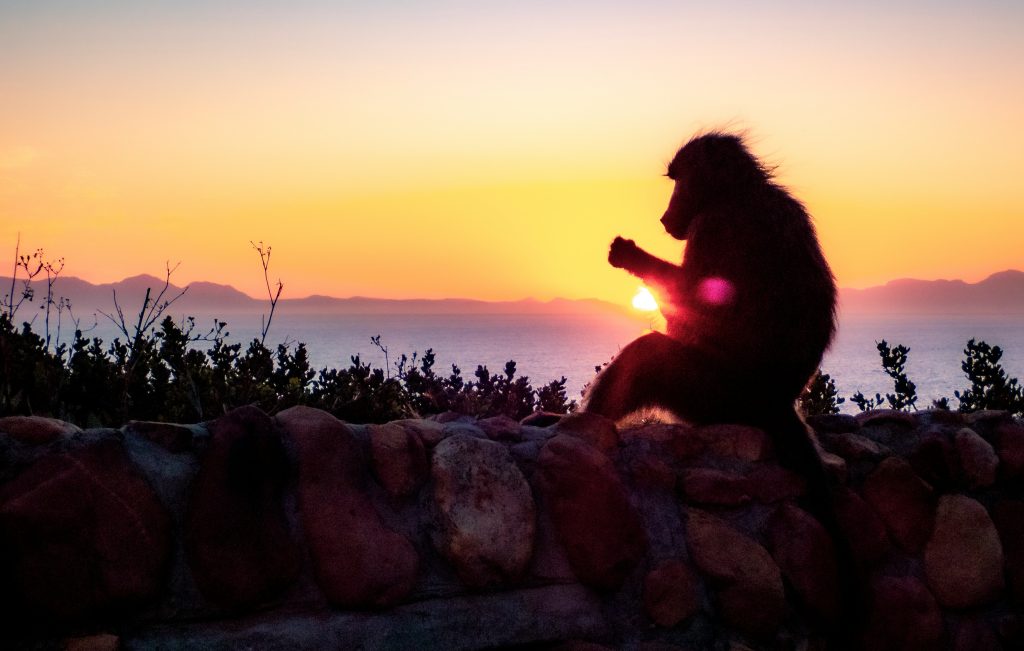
{"points": [[904, 396], [169, 373], [990, 387], [820, 396]]}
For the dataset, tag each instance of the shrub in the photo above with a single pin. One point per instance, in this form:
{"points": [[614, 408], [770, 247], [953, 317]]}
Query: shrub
{"points": [[820, 396], [990, 387]]}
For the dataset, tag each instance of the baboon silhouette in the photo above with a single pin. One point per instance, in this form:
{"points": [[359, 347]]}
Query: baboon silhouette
{"points": [[749, 313]]}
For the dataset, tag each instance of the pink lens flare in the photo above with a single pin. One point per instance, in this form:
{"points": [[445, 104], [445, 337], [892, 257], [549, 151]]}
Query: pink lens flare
{"points": [[716, 291]]}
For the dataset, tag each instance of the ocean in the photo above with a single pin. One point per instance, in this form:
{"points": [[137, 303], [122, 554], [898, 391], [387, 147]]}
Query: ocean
{"points": [[547, 347]]}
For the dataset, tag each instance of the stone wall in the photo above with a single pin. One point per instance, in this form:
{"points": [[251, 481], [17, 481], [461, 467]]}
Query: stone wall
{"points": [[300, 531]]}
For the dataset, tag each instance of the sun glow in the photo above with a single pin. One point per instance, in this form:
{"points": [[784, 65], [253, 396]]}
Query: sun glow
{"points": [[644, 301]]}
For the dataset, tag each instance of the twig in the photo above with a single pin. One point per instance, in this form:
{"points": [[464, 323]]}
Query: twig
{"points": [[272, 296]]}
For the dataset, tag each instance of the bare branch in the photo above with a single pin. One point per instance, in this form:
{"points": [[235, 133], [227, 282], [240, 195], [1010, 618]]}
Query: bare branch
{"points": [[271, 295]]}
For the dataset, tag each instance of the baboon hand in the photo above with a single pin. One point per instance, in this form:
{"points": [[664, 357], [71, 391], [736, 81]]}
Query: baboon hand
{"points": [[622, 253]]}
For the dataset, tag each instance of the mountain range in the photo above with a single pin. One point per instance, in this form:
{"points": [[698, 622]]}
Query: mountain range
{"points": [[1000, 293]]}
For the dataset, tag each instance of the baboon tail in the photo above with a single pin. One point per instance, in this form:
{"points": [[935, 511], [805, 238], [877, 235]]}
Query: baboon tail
{"points": [[796, 450]]}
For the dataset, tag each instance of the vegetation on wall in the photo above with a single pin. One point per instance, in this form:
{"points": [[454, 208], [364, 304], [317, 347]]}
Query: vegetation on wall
{"points": [[157, 369]]}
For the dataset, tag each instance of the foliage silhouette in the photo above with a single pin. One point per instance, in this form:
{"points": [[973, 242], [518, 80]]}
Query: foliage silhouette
{"points": [[904, 396], [990, 387], [820, 397]]}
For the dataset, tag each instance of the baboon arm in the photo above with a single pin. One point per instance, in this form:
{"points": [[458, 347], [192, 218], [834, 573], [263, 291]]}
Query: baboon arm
{"points": [[653, 270]]}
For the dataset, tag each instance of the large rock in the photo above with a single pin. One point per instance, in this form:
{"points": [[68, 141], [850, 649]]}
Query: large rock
{"points": [[963, 560], [35, 430], [864, 530], [399, 459], [1009, 439], [1008, 516], [770, 483], [501, 428], [593, 518], [804, 552], [978, 459], [935, 460], [82, 535], [904, 502], [357, 560], [172, 437], [486, 519], [742, 442], [430, 432], [237, 538], [749, 584], [671, 593], [904, 616], [710, 486], [592, 428]]}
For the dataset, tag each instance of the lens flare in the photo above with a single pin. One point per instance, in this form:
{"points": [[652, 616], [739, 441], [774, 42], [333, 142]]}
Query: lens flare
{"points": [[644, 300]]}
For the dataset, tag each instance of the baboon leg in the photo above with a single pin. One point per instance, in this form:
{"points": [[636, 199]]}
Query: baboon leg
{"points": [[658, 371]]}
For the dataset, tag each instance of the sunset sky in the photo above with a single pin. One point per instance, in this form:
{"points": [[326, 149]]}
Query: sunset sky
{"points": [[493, 150]]}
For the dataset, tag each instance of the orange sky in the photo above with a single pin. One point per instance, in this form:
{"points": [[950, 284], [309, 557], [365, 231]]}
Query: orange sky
{"points": [[438, 149]]}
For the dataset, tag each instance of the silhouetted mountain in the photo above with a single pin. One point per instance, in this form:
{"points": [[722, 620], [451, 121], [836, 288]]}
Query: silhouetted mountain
{"points": [[1000, 293], [223, 300]]}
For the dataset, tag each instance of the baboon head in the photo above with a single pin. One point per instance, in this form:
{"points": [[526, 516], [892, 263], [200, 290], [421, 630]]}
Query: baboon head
{"points": [[709, 169]]}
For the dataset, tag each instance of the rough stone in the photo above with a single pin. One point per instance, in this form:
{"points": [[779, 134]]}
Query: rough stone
{"points": [[833, 423], [237, 538], [904, 617], [98, 642], [592, 428], [357, 560], [170, 436], [749, 583], [1009, 437], [83, 536], [835, 466], [988, 417], [863, 528], [904, 502], [884, 417], [683, 443], [963, 561], [430, 432], [941, 417], [501, 428], [743, 442], [771, 483], [671, 593], [661, 433], [710, 486], [804, 552], [978, 459], [486, 517], [975, 634], [35, 430], [1008, 517], [649, 470], [541, 419], [593, 518], [451, 417], [934, 459], [854, 447], [399, 459]]}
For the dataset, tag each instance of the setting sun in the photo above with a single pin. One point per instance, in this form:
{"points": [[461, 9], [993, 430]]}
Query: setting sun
{"points": [[644, 301]]}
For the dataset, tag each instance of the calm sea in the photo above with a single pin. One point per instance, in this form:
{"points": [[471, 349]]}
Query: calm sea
{"points": [[546, 347]]}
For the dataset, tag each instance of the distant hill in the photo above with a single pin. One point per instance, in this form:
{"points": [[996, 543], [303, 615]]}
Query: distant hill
{"points": [[208, 298], [1000, 293]]}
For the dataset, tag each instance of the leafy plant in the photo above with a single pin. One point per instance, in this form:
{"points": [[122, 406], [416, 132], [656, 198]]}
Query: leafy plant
{"points": [[904, 395], [820, 396], [990, 386]]}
